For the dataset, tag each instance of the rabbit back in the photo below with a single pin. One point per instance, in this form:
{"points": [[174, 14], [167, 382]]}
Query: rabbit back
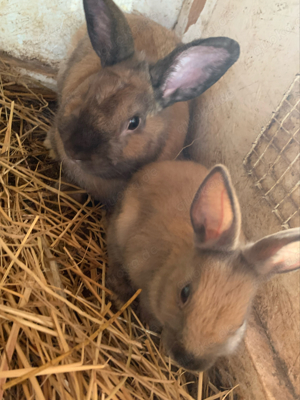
{"points": [[153, 219]]}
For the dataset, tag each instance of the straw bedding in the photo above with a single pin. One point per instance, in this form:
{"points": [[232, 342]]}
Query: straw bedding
{"points": [[60, 338]]}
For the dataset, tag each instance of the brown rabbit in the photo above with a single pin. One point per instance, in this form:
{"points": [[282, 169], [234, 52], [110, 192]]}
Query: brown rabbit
{"points": [[175, 235], [123, 96]]}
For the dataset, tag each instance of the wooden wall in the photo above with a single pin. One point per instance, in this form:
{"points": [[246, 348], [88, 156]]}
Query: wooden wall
{"points": [[228, 118]]}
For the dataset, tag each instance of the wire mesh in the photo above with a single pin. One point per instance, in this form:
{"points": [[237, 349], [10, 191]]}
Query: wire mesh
{"points": [[274, 159]]}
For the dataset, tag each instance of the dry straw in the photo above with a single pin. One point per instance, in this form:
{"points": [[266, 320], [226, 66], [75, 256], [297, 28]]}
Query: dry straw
{"points": [[59, 337]]}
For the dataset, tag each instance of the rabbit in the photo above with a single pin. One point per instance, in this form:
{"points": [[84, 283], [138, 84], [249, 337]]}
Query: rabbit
{"points": [[176, 234], [124, 96]]}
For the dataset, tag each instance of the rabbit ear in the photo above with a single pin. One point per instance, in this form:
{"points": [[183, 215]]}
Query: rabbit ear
{"points": [[215, 212], [109, 31], [275, 253], [192, 68]]}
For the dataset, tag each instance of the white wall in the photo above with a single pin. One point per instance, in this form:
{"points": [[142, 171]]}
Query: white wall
{"points": [[164, 12], [41, 29]]}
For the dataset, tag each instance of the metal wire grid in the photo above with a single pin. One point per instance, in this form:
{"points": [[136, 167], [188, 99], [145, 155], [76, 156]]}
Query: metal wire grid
{"points": [[274, 159]]}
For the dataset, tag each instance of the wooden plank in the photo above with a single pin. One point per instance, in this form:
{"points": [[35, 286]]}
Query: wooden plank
{"points": [[227, 120], [36, 75], [194, 13]]}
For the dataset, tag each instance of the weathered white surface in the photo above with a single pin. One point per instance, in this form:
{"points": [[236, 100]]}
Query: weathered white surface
{"points": [[41, 30], [164, 12], [38, 30]]}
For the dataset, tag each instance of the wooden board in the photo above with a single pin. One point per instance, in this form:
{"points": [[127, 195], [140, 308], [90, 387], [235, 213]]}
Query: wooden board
{"points": [[228, 118]]}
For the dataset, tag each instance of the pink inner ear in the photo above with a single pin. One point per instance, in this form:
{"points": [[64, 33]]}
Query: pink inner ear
{"points": [[213, 208], [194, 67], [287, 258]]}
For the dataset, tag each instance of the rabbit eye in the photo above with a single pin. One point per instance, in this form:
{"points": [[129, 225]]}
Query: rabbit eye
{"points": [[133, 123], [185, 293]]}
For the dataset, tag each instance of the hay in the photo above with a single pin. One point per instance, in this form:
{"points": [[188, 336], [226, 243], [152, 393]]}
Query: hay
{"points": [[59, 337]]}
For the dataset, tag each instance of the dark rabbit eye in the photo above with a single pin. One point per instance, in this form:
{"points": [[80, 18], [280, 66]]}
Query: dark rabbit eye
{"points": [[133, 123], [185, 293]]}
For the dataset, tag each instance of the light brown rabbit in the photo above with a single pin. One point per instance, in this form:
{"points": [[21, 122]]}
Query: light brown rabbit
{"points": [[123, 96], [175, 235]]}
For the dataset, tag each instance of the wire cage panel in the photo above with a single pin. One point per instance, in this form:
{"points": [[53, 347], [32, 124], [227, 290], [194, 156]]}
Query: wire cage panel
{"points": [[274, 159]]}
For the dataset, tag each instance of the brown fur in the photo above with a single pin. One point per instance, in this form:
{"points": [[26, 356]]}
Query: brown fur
{"points": [[223, 308], [120, 67], [154, 245], [155, 42]]}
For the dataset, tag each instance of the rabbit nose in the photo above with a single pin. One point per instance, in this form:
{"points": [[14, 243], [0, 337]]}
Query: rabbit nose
{"points": [[77, 156], [188, 360]]}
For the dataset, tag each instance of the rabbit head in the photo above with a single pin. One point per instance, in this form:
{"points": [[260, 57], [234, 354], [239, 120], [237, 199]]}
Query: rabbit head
{"points": [[117, 119], [202, 298]]}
